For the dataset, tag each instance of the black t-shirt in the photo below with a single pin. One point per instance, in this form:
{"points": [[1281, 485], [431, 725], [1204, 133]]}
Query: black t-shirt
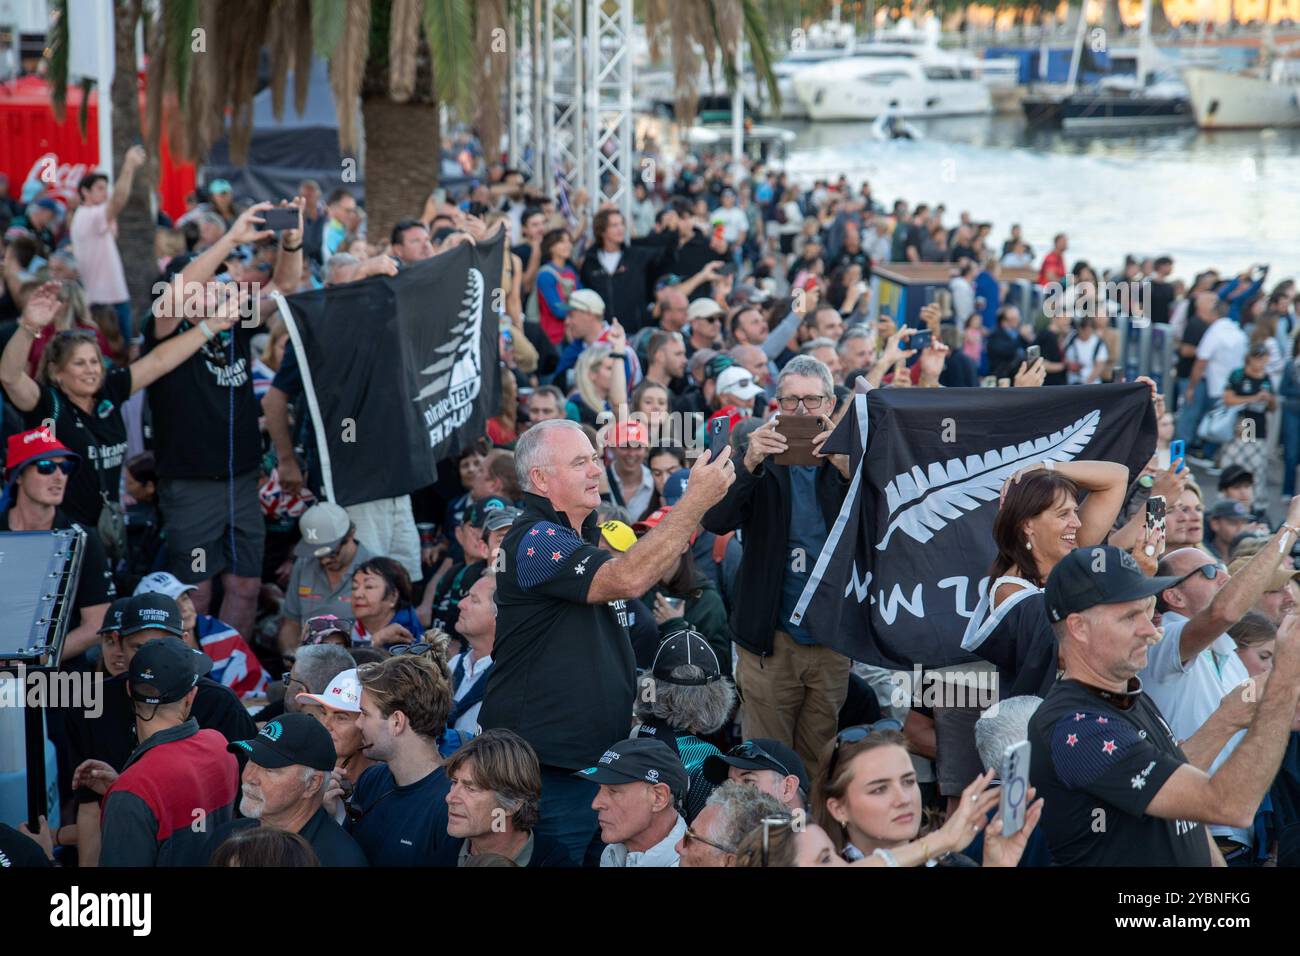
{"points": [[99, 437], [403, 826], [95, 586], [191, 407], [1244, 385], [1192, 335], [563, 672], [1050, 346], [110, 736], [1162, 297], [1097, 764], [1022, 645], [18, 849], [332, 844]]}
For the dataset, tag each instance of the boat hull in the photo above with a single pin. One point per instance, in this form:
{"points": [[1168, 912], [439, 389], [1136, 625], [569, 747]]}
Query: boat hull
{"points": [[1233, 101]]}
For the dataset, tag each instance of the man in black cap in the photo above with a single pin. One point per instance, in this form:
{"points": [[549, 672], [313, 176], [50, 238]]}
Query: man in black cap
{"points": [[1118, 789], [178, 778], [99, 745], [641, 784], [1226, 519], [283, 786], [683, 700], [767, 764], [1238, 483], [455, 584]]}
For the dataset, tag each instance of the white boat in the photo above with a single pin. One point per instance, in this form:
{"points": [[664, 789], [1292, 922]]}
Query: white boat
{"points": [[1246, 100], [904, 73]]}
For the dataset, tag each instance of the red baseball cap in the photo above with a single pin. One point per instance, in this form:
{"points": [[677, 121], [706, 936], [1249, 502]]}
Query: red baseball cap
{"points": [[628, 433], [29, 446], [652, 520]]}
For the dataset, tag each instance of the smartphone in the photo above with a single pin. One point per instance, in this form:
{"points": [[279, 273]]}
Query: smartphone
{"points": [[719, 435], [920, 339], [1015, 787], [1156, 513], [1177, 450], [989, 381], [280, 219], [1033, 354], [728, 270]]}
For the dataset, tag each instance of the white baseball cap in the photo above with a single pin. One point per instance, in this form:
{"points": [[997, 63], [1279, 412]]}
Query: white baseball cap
{"points": [[739, 382], [342, 693], [587, 300], [702, 309], [161, 582]]}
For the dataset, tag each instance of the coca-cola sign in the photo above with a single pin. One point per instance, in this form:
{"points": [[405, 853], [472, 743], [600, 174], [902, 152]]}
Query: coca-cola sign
{"points": [[59, 179]]}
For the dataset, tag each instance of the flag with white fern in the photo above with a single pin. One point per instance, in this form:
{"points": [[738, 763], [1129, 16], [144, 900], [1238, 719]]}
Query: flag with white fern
{"points": [[906, 562]]}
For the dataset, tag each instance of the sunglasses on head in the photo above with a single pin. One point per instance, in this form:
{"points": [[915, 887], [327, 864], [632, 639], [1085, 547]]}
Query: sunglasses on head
{"points": [[47, 466], [851, 735], [413, 649], [751, 751], [768, 824]]}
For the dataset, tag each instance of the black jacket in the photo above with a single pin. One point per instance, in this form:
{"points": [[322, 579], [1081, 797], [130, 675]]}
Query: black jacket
{"points": [[628, 291], [759, 505]]}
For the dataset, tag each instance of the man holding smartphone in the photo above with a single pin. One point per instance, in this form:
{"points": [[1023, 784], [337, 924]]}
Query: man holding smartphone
{"points": [[792, 686]]}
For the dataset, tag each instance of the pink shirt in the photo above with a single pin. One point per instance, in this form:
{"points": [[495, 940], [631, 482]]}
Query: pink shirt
{"points": [[94, 243]]}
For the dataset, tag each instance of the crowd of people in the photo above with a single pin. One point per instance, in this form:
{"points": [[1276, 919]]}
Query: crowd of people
{"points": [[580, 646]]}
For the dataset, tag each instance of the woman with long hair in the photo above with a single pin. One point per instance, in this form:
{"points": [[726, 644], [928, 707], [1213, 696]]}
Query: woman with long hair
{"points": [[1042, 517], [868, 801], [600, 383], [72, 389], [556, 281]]}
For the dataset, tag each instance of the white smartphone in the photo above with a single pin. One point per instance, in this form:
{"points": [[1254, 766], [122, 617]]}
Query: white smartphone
{"points": [[1015, 787]]}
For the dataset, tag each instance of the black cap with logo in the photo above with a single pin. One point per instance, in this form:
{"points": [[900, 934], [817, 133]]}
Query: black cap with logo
{"points": [[289, 740], [640, 759], [1087, 577], [165, 669], [151, 611], [113, 616]]}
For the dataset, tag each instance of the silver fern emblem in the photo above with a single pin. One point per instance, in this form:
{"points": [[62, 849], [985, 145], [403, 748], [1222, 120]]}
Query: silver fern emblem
{"points": [[458, 365], [950, 489]]}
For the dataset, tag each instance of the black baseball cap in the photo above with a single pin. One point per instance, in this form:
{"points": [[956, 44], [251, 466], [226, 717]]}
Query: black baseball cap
{"points": [[761, 753], [165, 669], [151, 611], [290, 740], [113, 617], [640, 759], [476, 514], [1087, 577], [1229, 508], [1235, 475], [686, 647]]}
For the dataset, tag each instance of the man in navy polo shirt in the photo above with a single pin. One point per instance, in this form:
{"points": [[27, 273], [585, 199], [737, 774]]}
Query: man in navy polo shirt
{"points": [[563, 669]]}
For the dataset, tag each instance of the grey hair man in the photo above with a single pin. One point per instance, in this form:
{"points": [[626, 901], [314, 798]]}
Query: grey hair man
{"points": [[732, 812], [314, 666], [1003, 725], [856, 349], [562, 613], [824, 350], [343, 267], [793, 686]]}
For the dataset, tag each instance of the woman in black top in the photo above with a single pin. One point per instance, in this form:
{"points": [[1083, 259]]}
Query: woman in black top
{"points": [[81, 401]]}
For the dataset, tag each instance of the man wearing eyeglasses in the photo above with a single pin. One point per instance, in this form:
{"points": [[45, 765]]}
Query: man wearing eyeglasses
{"points": [[732, 812], [1195, 663], [37, 467], [792, 686]]}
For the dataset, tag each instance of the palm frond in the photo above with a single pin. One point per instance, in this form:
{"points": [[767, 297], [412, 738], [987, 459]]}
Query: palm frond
{"points": [[327, 20], [347, 68], [760, 53], [403, 44], [302, 55], [180, 19], [449, 29], [58, 57], [83, 114], [281, 43]]}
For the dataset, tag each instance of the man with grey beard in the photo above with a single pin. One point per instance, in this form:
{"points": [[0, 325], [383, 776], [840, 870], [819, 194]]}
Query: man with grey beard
{"points": [[283, 786]]}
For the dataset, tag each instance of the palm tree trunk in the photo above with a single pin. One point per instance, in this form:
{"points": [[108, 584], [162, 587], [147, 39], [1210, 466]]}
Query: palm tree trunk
{"points": [[1159, 19], [1111, 21], [403, 146], [135, 225]]}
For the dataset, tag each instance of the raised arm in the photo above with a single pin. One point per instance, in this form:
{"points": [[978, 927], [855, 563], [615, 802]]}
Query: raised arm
{"points": [[1106, 483], [41, 308], [288, 260], [134, 159], [637, 569], [221, 308], [1233, 794]]}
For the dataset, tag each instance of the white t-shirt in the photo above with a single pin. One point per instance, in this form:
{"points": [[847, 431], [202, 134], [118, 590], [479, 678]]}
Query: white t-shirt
{"points": [[1187, 694], [1088, 353], [733, 220], [1223, 348], [609, 260], [94, 243]]}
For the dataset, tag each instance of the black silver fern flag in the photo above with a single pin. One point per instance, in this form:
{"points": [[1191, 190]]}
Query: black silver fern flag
{"points": [[399, 371], [906, 562]]}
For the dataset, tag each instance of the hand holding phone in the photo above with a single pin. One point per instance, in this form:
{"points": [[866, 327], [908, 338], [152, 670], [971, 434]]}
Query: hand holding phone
{"points": [[719, 435], [280, 219], [1014, 800], [1177, 452], [1033, 354]]}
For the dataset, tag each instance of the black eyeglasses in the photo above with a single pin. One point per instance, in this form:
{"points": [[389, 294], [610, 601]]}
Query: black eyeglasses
{"points": [[47, 466], [692, 835], [751, 751], [851, 735], [287, 678], [413, 649], [811, 402]]}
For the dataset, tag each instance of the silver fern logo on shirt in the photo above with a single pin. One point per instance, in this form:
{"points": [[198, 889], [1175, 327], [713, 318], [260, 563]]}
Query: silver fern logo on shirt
{"points": [[457, 372], [924, 503]]}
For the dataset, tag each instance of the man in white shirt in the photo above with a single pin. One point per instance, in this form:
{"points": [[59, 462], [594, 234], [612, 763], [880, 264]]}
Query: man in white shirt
{"points": [[1221, 351], [94, 237], [734, 222], [642, 783], [477, 626], [1195, 664]]}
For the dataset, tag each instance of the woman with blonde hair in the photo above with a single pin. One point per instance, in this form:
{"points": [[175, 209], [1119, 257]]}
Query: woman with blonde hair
{"points": [[600, 382]]}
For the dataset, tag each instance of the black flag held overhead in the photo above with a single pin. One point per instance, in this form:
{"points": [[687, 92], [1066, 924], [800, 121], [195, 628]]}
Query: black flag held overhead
{"points": [[906, 562], [399, 371]]}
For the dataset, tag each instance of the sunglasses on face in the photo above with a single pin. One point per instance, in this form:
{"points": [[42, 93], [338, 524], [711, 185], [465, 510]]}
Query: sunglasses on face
{"points": [[47, 466], [851, 735], [1208, 571]]}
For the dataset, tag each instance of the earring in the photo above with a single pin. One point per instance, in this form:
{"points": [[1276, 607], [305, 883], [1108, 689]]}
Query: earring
{"points": [[1029, 546]]}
